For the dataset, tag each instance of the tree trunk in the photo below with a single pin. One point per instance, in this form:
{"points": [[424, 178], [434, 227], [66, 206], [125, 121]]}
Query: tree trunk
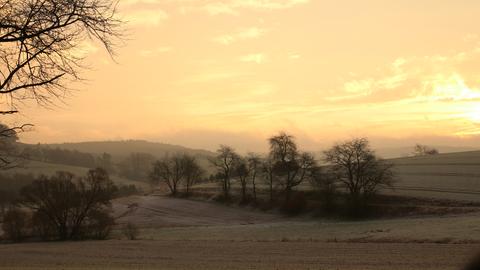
{"points": [[254, 190]]}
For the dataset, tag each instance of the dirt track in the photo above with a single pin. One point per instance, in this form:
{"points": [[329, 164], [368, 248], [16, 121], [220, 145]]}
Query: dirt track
{"points": [[117, 254]]}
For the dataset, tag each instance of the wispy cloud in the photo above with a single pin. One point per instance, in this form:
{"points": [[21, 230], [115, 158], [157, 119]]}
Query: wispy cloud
{"points": [[242, 34], [257, 58]]}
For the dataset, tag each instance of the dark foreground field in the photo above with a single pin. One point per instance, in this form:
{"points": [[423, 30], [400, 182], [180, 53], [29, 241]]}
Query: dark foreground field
{"points": [[190, 234], [142, 254]]}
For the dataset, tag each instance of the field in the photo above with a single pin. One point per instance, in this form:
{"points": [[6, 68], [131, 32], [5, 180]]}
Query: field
{"points": [[187, 234], [145, 255], [453, 176], [198, 234]]}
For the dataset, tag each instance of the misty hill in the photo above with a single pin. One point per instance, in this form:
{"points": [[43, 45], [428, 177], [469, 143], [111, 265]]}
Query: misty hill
{"points": [[125, 148]]}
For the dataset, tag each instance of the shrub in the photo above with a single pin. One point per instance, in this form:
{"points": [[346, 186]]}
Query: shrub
{"points": [[99, 224], [42, 226], [15, 224], [130, 231], [68, 204], [296, 204]]}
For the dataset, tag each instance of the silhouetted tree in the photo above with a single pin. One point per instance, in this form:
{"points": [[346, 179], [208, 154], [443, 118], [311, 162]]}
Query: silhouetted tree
{"points": [[37, 43], [424, 150], [254, 166], [15, 223], [193, 172], [356, 167], [268, 175], [224, 162], [241, 171], [290, 167], [69, 205], [169, 170], [10, 156]]}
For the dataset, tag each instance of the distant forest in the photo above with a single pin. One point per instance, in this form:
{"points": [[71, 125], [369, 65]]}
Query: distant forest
{"points": [[134, 166], [61, 156]]}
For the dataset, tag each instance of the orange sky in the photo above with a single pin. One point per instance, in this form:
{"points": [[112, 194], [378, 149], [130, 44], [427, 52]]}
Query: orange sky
{"points": [[201, 72]]}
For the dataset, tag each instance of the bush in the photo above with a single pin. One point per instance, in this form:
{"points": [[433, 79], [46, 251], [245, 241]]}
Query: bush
{"points": [[296, 204], [99, 224], [15, 225], [42, 226], [70, 205], [130, 231]]}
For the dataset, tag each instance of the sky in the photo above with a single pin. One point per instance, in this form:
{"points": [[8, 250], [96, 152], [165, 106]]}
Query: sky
{"points": [[204, 72]]}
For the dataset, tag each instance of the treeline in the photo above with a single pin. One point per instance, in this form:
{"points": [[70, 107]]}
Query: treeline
{"points": [[351, 169], [135, 166], [63, 207], [350, 172], [59, 156]]}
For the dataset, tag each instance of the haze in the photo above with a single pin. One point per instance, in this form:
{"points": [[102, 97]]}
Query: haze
{"points": [[200, 73]]}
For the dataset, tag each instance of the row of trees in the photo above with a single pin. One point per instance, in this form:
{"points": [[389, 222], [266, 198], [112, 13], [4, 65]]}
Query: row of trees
{"points": [[59, 156], [351, 165]]}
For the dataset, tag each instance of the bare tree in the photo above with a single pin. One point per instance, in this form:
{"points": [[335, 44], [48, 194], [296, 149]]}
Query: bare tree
{"points": [[193, 172], [169, 170], [9, 154], [224, 162], [291, 167], [38, 43], [268, 175], [254, 166], [69, 205], [424, 150], [242, 172], [356, 167]]}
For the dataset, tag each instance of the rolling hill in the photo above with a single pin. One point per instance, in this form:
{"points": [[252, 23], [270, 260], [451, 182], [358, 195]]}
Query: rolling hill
{"points": [[124, 148], [451, 176]]}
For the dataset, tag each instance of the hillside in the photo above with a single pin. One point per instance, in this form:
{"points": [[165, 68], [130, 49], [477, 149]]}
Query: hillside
{"points": [[124, 148], [38, 168], [451, 176]]}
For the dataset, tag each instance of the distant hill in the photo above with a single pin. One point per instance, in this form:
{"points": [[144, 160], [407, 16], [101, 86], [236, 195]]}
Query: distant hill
{"points": [[120, 149]]}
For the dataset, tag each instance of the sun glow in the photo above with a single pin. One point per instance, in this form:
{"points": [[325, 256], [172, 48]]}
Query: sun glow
{"points": [[474, 114]]}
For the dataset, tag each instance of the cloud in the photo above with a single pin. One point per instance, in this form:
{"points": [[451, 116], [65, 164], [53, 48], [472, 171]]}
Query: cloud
{"points": [[152, 17], [419, 79], [294, 56], [242, 34], [155, 51], [258, 58], [220, 8]]}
